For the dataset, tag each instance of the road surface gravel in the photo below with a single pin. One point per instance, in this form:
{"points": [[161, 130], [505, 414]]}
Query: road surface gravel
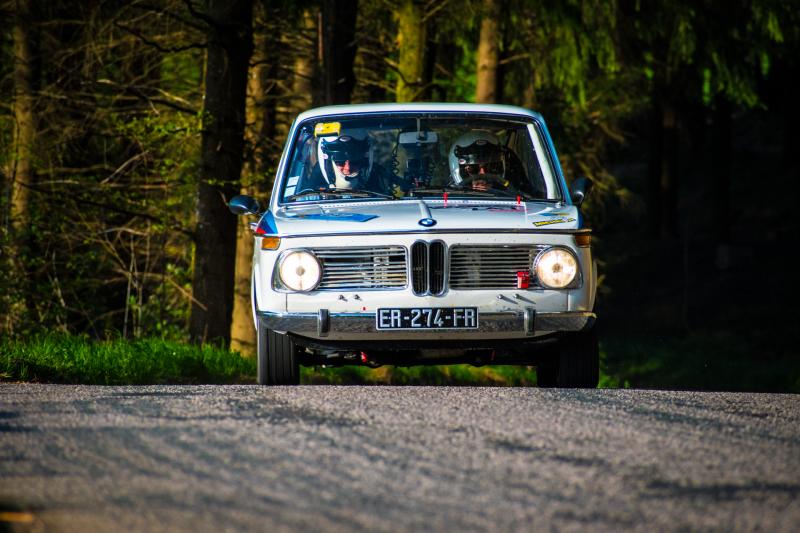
{"points": [[311, 458]]}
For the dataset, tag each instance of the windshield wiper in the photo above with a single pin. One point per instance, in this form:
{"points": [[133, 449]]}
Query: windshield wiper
{"points": [[360, 192], [442, 190], [325, 194], [461, 191]]}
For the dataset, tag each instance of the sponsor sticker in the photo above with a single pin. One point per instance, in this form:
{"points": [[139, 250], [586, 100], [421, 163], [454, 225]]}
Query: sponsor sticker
{"points": [[291, 185], [324, 129], [540, 223]]}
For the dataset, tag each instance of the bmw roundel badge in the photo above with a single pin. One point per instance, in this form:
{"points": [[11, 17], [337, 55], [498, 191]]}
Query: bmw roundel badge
{"points": [[427, 222]]}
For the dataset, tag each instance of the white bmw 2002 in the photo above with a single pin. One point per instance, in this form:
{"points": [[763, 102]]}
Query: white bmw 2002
{"points": [[413, 234]]}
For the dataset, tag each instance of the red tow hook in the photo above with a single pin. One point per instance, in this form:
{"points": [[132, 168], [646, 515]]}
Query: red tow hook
{"points": [[365, 360]]}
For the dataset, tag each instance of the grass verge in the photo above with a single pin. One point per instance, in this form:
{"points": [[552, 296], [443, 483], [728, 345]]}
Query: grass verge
{"points": [[58, 358], [72, 359]]}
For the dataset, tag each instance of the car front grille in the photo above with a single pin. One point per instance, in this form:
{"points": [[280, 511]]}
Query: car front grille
{"points": [[362, 268], [490, 266], [428, 267]]}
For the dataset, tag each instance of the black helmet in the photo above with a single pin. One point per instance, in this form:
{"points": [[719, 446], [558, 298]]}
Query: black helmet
{"points": [[346, 148]]}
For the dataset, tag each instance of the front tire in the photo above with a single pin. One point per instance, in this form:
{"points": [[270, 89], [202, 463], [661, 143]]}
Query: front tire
{"points": [[575, 365], [277, 359]]}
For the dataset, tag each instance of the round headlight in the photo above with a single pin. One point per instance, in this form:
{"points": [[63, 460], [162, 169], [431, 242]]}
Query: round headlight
{"points": [[300, 271], [556, 268]]}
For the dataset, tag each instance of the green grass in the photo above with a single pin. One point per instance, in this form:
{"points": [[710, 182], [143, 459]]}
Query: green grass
{"points": [[71, 359], [56, 358], [697, 362]]}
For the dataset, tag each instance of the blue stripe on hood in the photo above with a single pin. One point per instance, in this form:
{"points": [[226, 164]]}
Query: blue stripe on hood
{"points": [[267, 224]]}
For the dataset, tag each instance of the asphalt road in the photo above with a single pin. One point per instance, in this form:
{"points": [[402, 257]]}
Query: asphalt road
{"points": [[236, 458]]}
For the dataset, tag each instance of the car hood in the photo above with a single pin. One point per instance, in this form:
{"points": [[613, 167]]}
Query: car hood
{"points": [[418, 215]]}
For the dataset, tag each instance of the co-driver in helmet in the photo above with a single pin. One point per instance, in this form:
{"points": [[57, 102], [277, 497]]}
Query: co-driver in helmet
{"points": [[477, 160]]}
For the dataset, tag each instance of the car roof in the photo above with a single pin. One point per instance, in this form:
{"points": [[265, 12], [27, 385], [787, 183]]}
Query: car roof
{"points": [[417, 107]]}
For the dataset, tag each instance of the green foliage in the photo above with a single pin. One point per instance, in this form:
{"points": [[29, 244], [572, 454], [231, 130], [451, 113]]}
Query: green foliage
{"points": [[462, 86], [54, 358], [565, 44], [704, 51], [182, 74], [108, 240], [586, 133]]}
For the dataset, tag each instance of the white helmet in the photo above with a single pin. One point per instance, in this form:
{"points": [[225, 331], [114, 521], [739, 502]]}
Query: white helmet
{"points": [[473, 150]]}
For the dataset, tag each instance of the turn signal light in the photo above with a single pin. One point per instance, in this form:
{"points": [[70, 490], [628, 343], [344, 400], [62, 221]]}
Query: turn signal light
{"points": [[270, 243], [583, 239]]}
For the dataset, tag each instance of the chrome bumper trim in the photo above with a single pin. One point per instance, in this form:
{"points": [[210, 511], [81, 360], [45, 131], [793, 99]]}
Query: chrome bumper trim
{"points": [[352, 326]]}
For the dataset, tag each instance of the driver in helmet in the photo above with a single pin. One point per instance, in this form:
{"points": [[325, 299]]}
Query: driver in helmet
{"points": [[348, 160], [345, 162], [477, 160]]}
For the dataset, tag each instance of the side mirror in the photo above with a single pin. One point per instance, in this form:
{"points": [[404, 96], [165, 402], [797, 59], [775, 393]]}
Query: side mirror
{"points": [[579, 190], [244, 205]]}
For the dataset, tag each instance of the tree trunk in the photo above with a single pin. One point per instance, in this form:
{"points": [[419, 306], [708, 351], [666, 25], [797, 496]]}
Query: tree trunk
{"points": [[305, 64], [338, 49], [428, 73], [230, 44], [411, 42], [243, 333], [20, 174], [488, 53], [22, 168], [260, 131]]}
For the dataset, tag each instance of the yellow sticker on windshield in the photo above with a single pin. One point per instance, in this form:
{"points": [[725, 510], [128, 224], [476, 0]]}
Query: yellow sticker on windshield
{"points": [[324, 129]]}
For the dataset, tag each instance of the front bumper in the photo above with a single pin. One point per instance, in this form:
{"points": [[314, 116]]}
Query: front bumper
{"points": [[522, 324]]}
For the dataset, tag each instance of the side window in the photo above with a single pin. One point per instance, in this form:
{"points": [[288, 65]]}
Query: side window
{"points": [[303, 159]]}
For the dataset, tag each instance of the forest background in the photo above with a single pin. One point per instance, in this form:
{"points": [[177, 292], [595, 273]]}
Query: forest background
{"points": [[125, 125]]}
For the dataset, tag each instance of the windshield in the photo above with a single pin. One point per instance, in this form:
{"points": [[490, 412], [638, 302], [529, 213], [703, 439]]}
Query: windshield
{"points": [[404, 156]]}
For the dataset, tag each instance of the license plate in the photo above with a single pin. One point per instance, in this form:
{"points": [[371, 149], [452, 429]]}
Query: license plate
{"points": [[427, 318]]}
